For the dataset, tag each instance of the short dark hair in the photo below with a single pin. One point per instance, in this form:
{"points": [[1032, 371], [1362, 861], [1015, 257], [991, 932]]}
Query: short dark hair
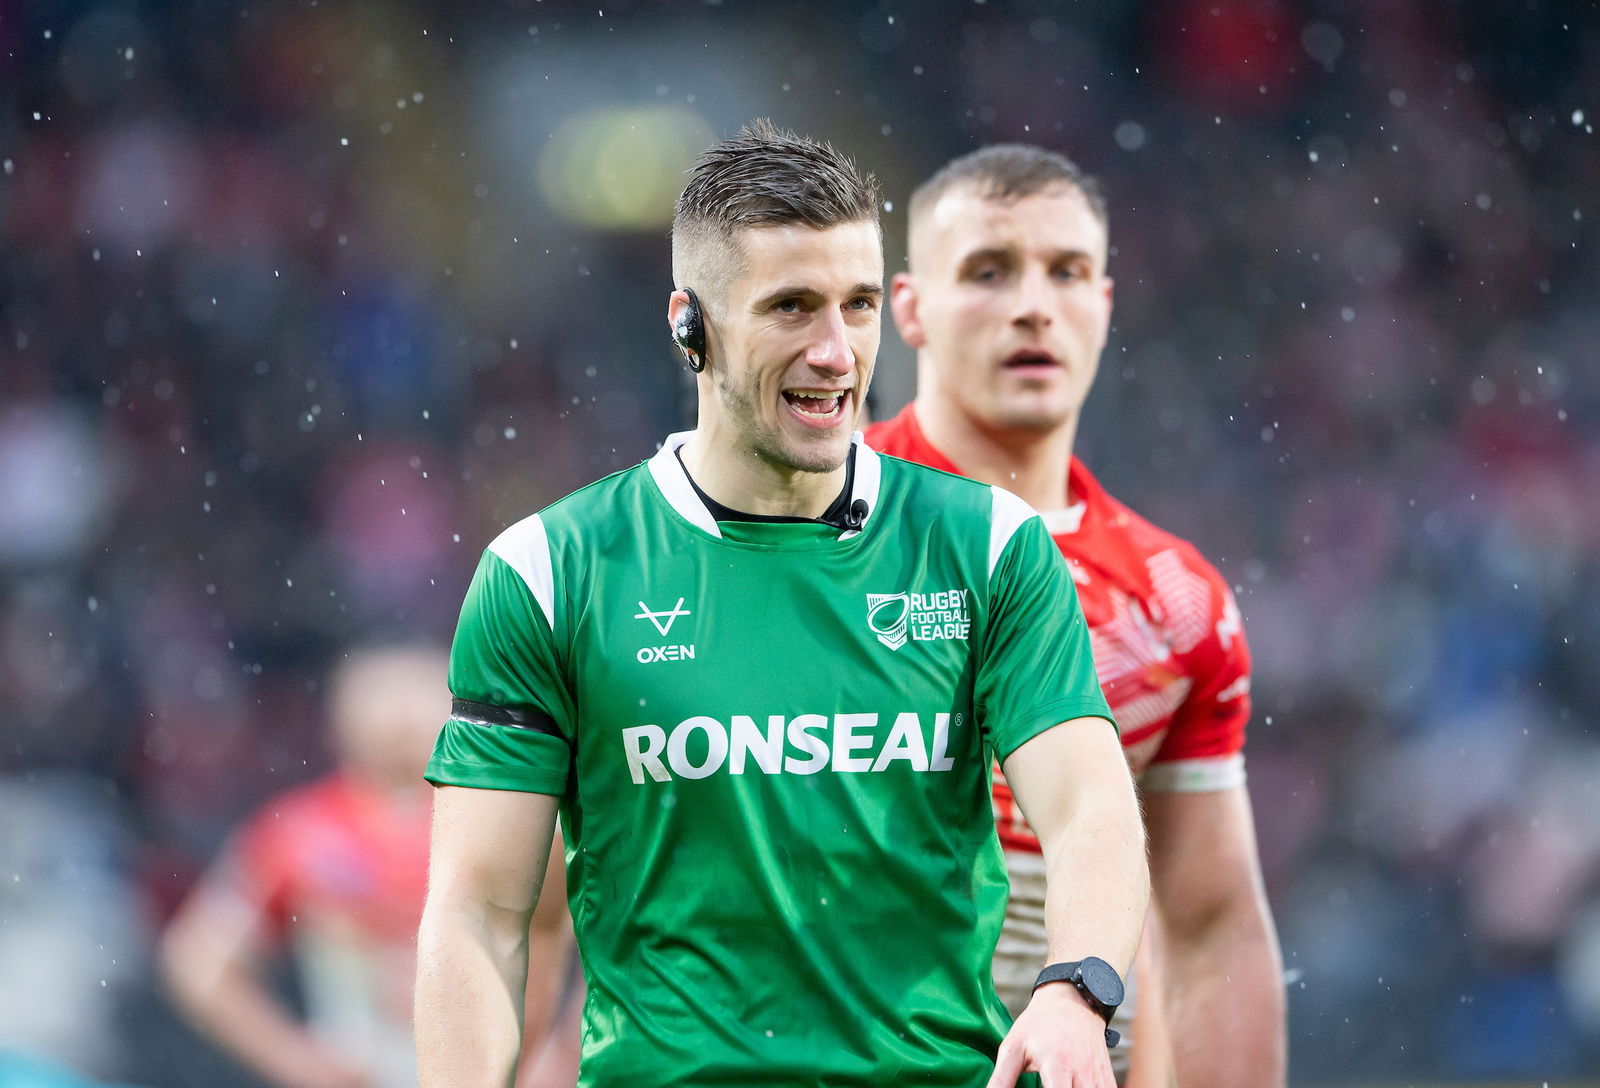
{"points": [[765, 176], [1009, 172]]}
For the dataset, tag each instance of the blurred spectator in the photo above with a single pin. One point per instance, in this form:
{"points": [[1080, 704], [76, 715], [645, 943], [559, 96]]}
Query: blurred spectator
{"points": [[333, 873]]}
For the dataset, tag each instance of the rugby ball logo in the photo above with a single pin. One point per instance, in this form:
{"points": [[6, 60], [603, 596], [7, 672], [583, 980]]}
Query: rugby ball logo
{"points": [[886, 615]]}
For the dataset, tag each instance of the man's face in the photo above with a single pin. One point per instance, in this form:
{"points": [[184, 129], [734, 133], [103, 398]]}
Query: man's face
{"points": [[793, 350], [387, 707], [1008, 302]]}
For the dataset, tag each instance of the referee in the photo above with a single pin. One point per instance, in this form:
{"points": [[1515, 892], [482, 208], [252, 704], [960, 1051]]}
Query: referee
{"points": [[763, 677]]}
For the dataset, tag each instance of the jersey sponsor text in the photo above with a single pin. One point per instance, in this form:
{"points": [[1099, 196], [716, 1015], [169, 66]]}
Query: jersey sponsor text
{"points": [[701, 746]]}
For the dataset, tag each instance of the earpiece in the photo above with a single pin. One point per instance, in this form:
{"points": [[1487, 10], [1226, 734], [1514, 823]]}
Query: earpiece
{"points": [[690, 333]]}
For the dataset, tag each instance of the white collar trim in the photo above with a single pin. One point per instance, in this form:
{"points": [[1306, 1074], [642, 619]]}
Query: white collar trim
{"points": [[1065, 520], [676, 487], [868, 480]]}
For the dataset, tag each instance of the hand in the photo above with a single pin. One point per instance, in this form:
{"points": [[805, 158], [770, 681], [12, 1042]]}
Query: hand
{"points": [[1059, 1037]]}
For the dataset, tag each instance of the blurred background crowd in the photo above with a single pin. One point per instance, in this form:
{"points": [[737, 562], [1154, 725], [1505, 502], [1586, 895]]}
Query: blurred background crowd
{"points": [[301, 303]]}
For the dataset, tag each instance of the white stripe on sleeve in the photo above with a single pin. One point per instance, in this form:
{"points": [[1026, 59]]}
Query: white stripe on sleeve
{"points": [[1206, 775]]}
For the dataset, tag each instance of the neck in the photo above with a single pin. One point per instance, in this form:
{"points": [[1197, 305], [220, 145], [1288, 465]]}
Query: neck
{"points": [[1031, 464], [741, 479]]}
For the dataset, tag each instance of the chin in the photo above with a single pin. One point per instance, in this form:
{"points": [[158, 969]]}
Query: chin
{"points": [[1030, 417], [820, 456], [822, 461]]}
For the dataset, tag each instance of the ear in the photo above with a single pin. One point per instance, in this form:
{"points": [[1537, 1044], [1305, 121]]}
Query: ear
{"points": [[676, 302], [903, 304]]}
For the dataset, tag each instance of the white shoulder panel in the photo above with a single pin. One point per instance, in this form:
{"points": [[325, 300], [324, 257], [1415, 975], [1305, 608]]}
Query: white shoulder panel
{"points": [[526, 549], [668, 473], [1007, 515]]}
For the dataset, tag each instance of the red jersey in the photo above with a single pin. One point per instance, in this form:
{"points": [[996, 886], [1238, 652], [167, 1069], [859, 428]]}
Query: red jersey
{"points": [[336, 852], [1168, 643]]}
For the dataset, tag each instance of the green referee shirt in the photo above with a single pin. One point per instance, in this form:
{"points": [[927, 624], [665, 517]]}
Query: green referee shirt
{"points": [[772, 743]]}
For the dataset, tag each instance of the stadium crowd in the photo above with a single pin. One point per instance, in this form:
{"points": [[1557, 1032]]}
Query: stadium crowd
{"points": [[301, 304]]}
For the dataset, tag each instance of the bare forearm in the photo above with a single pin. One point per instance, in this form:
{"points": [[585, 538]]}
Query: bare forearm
{"points": [[548, 950], [1227, 1005], [1097, 883], [1224, 978], [471, 977], [485, 866], [1073, 786]]}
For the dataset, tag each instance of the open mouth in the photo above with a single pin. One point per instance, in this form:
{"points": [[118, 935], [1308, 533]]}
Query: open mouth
{"points": [[1028, 360], [819, 405]]}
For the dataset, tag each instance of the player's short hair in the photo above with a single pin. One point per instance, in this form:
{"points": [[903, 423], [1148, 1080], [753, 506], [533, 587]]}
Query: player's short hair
{"points": [[764, 176], [1009, 172]]}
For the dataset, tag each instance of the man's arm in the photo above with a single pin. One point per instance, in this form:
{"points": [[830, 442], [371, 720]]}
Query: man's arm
{"points": [[208, 955], [1223, 969], [1073, 786], [548, 1029], [1150, 1055], [489, 852]]}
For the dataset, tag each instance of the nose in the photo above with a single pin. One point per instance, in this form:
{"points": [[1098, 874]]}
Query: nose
{"points": [[1033, 300], [830, 351]]}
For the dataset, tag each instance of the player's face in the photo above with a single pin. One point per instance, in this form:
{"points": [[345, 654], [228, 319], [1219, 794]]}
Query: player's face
{"points": [[792, 355], [1008, 303], [388, 706]]}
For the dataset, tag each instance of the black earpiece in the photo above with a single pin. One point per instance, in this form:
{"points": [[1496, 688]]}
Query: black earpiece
{"points": [[690, 333]]}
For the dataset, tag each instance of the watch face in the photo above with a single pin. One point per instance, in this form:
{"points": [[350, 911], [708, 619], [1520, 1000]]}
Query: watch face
{"points": [[1102, 980]]}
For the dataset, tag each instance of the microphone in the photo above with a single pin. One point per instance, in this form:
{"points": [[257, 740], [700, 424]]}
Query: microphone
{"points": [[856, 517]]}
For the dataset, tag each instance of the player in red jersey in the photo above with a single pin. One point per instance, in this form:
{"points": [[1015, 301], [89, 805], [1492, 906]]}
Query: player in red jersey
{"points": [[333, 874], [1007, 304]]}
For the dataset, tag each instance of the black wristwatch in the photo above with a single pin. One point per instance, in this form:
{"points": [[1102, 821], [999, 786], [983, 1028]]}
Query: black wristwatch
{"points": [[1096, 980]]}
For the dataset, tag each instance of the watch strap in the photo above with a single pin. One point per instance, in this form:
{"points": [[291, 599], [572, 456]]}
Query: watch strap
{"points": [[1058, 972], [1071, 972]]}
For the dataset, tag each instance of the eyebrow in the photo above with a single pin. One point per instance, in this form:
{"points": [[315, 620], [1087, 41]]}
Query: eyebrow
{"points": [[989, 253], [771, 297], [1009, 253]]}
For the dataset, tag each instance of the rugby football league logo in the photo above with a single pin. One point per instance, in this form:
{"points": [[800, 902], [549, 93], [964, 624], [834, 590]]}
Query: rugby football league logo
{"points": [[897, 618], [886, 615]]}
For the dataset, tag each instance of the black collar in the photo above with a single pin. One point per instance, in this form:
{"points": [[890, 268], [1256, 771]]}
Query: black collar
{"points": [[836, 513]]}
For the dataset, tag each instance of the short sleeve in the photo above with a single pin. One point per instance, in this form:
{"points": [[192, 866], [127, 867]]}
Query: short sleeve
{"points": [[1037, 668], [512, 721], [1203, 749]]}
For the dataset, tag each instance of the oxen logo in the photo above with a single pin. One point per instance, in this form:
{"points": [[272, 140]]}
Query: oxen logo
{"points": [[662, 620]]}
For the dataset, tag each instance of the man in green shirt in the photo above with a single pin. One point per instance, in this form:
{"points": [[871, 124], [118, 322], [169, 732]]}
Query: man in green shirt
{"points": [[764, 677]]}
